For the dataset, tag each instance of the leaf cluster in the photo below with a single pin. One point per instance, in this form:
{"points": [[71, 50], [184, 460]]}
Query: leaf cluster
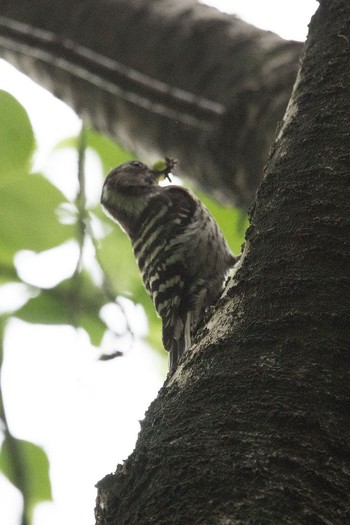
{"points": [[36, 215]]}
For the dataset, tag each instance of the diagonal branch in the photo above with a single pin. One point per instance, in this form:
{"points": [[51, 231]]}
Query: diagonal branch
{"points": [[180, 80]]}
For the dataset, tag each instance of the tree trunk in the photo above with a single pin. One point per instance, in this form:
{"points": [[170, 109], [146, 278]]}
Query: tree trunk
{"points": [[163, 78], [254, 427]]}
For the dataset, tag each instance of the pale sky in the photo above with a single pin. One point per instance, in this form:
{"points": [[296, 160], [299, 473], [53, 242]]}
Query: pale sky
{"points": [[288, 18]]}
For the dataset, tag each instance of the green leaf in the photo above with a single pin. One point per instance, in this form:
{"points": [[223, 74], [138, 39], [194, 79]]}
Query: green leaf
{"points": [[28, 218], [118, 261], [154, 337], [7, 273], [93, 325], [26, 465], [75, 301], [232, 222], [48, 307], [17, 142], [110, 153]]}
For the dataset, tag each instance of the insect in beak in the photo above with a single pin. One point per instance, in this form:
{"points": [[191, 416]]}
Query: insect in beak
{"points": [[170, 165]]}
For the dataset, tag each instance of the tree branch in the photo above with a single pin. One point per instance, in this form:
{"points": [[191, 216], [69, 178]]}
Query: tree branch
{"points": [[163, 78]]}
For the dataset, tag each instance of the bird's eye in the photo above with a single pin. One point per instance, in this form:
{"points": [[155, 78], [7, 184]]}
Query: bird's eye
{"points": [[136, 164]]}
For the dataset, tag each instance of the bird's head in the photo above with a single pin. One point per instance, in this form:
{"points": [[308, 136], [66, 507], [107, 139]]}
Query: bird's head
{"points": [[129, 187]]}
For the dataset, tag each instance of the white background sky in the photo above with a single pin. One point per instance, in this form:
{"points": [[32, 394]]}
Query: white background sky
{"points": [[56, 392]]}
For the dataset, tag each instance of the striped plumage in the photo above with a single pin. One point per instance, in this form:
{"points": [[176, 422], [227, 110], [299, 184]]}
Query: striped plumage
{"points": [[180, 250]]}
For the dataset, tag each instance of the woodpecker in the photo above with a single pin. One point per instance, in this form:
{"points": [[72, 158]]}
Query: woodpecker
{"points": [[181, 252]]}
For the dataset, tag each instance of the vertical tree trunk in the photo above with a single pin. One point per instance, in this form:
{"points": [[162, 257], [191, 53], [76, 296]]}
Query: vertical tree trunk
{"points": [[254, 427]]}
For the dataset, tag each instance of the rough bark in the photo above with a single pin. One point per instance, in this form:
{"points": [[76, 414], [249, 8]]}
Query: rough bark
{"points": [[164, 78], [254, 427]]}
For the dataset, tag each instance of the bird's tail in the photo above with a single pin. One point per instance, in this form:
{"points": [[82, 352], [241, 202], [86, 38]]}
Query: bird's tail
{"points": [[177, 341]]}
